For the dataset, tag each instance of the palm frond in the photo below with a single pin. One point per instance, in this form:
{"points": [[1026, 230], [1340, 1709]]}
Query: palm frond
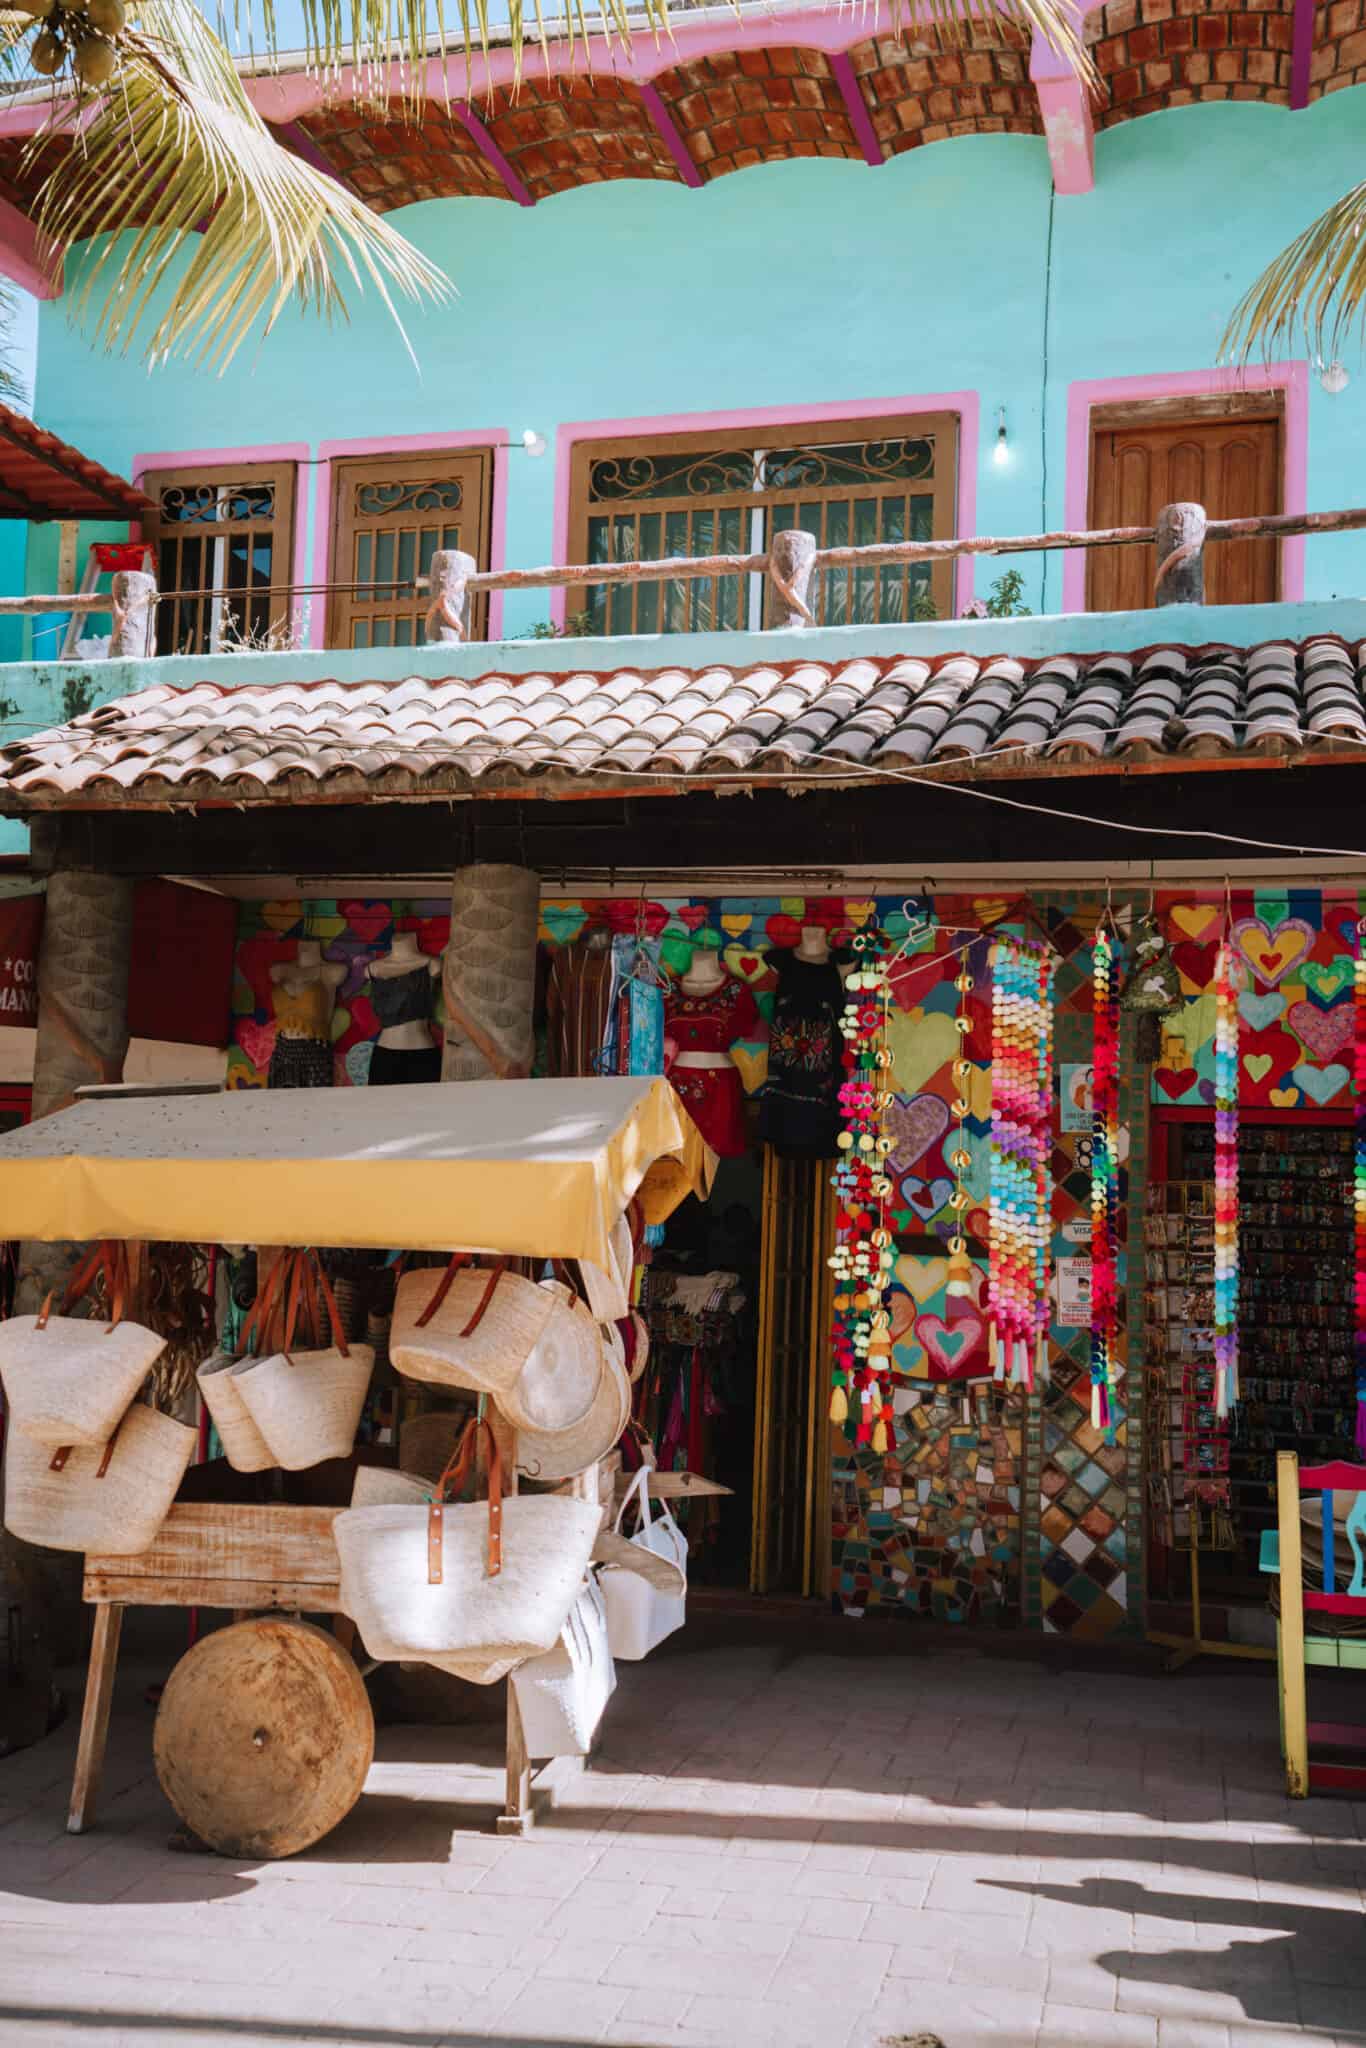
{"points": [[176, 147], [1316, 288]]}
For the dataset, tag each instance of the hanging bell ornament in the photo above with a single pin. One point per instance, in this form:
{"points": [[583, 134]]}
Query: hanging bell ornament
{"points": [[960, 1269]]}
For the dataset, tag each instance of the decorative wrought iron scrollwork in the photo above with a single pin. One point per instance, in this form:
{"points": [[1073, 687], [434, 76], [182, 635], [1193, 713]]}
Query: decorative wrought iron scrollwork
{"points": [[217, 504], [718, 472], [418, 494]]}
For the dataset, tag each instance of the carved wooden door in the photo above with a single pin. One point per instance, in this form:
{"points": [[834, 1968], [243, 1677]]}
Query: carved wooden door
{"points": [[390, 515]]}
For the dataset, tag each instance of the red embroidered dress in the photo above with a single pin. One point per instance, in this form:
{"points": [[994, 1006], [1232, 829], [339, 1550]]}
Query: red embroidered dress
{"points": [[713, 1096]]}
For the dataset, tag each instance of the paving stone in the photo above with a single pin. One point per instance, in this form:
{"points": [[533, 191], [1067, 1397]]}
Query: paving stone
{"points": [[1081, 2026]]}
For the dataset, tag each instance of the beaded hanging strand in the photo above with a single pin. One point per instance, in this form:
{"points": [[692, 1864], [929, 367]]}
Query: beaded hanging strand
{"points": [[1225, 1182], [1359, 1189], [863, 1257], [959, 1282], [1104, 1183], [1021, 1142]]}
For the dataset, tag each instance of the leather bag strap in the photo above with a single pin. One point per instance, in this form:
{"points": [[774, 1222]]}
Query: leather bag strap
{"points": [[443, 1287], [450, 1482]]}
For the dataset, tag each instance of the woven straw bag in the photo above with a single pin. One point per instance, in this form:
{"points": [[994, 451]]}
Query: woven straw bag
{"points": [[558, 1385], [607, 1290], [69, 1379], [427, 1442], [552, 1455], [466, 1587], [466, 1327], [562, 1696], [244, 1446], [109, 1497], [307, 1404], [380, 1486]]}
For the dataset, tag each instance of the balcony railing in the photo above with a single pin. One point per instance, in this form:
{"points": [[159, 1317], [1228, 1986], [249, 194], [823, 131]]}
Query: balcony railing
{"points": [[1180, 535]]}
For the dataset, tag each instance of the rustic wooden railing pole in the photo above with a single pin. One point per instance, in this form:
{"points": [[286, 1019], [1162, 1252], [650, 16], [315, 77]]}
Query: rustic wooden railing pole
{"points": [[132, 605], [450, 572], [791, 559], [1180, 555]]}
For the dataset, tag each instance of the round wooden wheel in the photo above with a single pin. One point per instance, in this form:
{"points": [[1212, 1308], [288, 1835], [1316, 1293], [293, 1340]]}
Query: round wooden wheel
{"points": [[263, 1737]]}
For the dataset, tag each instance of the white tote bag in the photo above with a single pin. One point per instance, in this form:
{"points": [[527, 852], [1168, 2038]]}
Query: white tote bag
{"points": [[640, 1615], [68, 1379], [109, 1497], [562, 1695], [484, 1583], [306, 1405]]}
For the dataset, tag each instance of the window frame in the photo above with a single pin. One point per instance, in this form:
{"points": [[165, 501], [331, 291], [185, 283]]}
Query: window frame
{"points": [[385, 464], [217, 473], [946, 422]]}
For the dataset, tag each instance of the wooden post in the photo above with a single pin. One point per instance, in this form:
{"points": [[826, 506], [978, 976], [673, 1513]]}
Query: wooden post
{"points": [[99, 1693], [1290, 1628], [489, 973], [450, 572], [515, 1818], [1180, 555], [132, 603], [790, 562]]}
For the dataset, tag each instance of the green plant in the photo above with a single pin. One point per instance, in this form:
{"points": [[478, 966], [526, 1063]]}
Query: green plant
{"points": [[578, 626], [1003, 598]]}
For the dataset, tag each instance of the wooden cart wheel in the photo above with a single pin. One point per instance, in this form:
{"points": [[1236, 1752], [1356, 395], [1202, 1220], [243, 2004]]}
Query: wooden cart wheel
{"points": [[263, 1737]]}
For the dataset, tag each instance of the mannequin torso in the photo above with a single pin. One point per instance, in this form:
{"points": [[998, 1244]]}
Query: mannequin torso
{"points": [[403, 962], [305, 993]]}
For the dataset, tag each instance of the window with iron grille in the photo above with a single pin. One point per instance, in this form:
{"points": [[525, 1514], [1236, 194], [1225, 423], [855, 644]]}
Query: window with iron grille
{"points": [[850, 483], [390, 515], [223, 541]]}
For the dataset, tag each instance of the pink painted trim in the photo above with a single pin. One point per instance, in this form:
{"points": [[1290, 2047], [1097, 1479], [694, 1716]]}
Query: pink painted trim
{"points": [[1292, 378], [223, 458], [496, 438], [1301, 52], [667, 129], [21, 258], [1065, 106], [489, 150], [965, 403], [860, 120]]}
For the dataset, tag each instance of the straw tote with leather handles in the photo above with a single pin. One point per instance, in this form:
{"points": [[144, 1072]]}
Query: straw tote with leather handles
{"points": [[473, 1587], [109, 1497], [307, 1404], [244, 1446], [466, 1326], [68, 1379]]}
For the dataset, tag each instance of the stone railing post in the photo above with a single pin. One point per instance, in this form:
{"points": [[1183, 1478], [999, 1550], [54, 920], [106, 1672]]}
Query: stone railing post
{"points": [[451, 570], [1180, 555], [132, 604], [791, 558]]}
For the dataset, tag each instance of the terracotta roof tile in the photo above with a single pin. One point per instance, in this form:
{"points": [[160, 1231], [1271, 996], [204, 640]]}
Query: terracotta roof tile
{"points": [[959, 714]]}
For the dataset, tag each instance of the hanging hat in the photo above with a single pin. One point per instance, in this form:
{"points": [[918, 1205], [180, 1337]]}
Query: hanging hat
{"points": [[557, 1455], [467, 1327], [558, 1384], [608, 1293], [635, 1337]]}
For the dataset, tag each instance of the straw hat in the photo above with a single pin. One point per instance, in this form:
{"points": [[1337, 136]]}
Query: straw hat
{"points": [[636, 1337], [609, 1293], [458, 1346], [560, 1454], [556, 1388]]}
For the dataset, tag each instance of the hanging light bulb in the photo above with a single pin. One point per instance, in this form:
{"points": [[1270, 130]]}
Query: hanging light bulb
{"points": [[532, 442], [1333, 377], [1001, 452]]}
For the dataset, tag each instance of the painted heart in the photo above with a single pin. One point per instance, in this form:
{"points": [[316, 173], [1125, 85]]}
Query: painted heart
{"points": [[1205, 1089], [1195, 919], [782, 929], [1284, 1098], [1259, 1011], [1271, 954], [910, 1361], [1328, 980], [920, 1046], [927, 1198], [915, 1124], [1176, 1081], [792, 906], [859, 912], [1325, 1033], [281, 917], [356, 1065], [675, 953], [752, 1060], [1258, 1064], [562, 922], [433, 933], [745, 963], [692, 916], [256, 1040], [989, 910], [1321, 1084], [901, 1309], [736, 923], [922, 1276], [950, 1345], [369, 921]]}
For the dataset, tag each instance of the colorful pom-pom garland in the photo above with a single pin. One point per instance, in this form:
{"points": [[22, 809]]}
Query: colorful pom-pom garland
{"points": [[864, 1256], [1104, 1184], [1021, 1147], [1225, 1182]]}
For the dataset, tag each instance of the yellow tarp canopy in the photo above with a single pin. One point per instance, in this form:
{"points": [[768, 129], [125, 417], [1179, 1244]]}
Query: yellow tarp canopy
{"points": [[537, 1167]]}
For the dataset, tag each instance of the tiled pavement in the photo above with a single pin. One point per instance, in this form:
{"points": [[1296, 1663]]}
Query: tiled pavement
{"points": [[813, 1853]]}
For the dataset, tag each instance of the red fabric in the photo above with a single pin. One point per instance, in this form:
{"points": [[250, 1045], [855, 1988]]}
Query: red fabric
{"points": [[120, 554], [180, 968], [713, 1096], [21, 930]]}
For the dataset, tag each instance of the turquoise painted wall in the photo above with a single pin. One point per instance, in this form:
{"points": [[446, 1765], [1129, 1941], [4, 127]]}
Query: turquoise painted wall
{"points": [[793, 283]]}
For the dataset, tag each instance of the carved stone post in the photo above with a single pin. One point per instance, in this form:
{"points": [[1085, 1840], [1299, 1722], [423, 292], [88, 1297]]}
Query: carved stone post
{"points": [[1180, 555], [133, 605], [791, 557], [489, 973], [450, 572]]}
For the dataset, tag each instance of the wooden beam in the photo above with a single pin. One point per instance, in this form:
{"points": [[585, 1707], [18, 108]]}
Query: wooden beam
{"points": [[670, 135], [489, 150], [856, 106], [94, 1736], [1067, 125]]}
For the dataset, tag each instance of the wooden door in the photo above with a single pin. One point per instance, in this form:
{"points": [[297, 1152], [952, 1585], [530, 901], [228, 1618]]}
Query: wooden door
{"points": [[390, 515], [224, 541], [1231, 466]]}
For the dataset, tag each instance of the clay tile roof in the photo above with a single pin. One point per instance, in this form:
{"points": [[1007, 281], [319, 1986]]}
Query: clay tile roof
{"points": [[955, 715], [44, 478]]}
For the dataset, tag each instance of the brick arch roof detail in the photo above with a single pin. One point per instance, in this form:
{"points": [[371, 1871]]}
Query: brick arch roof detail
{"points": [[743, 107], [926, 85], [1153, 54], [1339, 57]]}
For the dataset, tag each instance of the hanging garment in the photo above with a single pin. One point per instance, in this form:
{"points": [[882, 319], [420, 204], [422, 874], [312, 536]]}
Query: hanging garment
{"points": [[394, 1067], [799, 1113], [578, 995], [635, 1021], [707, 1080], [300, 1063], [403, 998]]}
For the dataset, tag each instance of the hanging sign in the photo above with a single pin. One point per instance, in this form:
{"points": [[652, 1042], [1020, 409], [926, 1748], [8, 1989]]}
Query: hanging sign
{"points": [[21, 929], [1074, 1293]]}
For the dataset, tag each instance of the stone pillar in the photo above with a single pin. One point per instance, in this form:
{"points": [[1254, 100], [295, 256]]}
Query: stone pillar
{"points": [[489, 973]]}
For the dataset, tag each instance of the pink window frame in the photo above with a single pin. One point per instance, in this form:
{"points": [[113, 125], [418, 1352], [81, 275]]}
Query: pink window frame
{"points": [[293, 452], [1289, 378], [964, 403], [495, 438]]}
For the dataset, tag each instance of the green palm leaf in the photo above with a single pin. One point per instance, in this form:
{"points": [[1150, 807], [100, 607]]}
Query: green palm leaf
{"points": [[1315, 288]]}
